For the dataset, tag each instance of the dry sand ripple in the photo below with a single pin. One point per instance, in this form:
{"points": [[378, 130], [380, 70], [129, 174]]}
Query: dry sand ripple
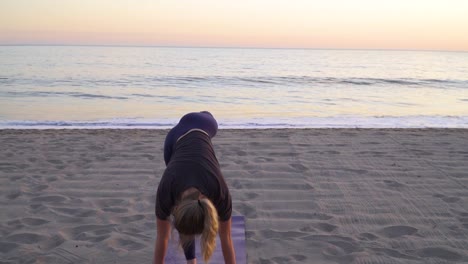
{"points": [[309, 196]]}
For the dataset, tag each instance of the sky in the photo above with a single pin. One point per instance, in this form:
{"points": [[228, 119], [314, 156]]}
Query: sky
{"points": [[326, 24]]}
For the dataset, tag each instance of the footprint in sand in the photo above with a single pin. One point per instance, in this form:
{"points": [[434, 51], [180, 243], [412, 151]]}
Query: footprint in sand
{"points": [[250, 234], [283, 154], [460, 213], [148, 156], [248, 196], [51, 242], [459, 152], [348, 134], [26, 238], [397, 231], [336, 248], [13, 195], [91, 238], [76, 212], [49, 199], [247, 210], [241, 153], [393, 184], [89, 228], [129, 219], [263, 159], [39, 188], [15, 224], [101, 158], [254, 143], [367, 236], [346, 246], [236, 184], [15, 178], [90, 233], [299, 167], [117, 210], [446, 199], [285, 259], [330, 152], [298, 257], [409, 144], [51, 179], [336, 145], [421, 152], [332, 251], [380, 133], [126, 244], [357, 171], [370, 143], [451, 199], [109, 202], [240, 162], [37, 207], [439, 252], [308, 229], [6, 247], [273, 234], [55, 162], [326, 227], [372, 153], [60, 255], [27, 221], [392, 253]]}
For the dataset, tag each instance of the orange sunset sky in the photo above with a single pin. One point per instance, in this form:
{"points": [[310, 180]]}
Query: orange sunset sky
{"points": [[341, 24]]}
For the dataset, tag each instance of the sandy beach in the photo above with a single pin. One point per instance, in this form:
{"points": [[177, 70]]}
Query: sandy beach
{"points": [[308, 195]]}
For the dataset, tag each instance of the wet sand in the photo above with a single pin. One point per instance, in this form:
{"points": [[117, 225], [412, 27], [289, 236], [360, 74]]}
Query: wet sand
{"points": [[308, 195]]}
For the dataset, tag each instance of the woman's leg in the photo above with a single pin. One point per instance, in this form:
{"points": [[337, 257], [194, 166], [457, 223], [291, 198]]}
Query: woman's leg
{"points": [[201, 120], [189, 250]]}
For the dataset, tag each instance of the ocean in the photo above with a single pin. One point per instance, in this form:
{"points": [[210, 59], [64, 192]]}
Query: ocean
{"points": [[152, 87]]}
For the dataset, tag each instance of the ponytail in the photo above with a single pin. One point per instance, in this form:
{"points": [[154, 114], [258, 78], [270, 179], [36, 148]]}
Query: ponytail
{"points": [[210, 230], [194, 217]]}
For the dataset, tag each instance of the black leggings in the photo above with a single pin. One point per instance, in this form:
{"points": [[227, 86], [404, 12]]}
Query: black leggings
{"points": [[199, 120]]}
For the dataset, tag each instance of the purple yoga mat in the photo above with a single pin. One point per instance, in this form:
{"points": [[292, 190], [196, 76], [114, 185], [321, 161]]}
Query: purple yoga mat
{"points": [[175, 255]]}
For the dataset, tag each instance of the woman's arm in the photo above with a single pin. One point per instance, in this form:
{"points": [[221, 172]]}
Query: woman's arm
{"points": [[162, 238], [226, 242]]}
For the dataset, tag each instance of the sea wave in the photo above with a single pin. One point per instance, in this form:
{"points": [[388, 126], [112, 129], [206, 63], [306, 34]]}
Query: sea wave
{"points": [[70, 94], [255, 123], [230, 81]]}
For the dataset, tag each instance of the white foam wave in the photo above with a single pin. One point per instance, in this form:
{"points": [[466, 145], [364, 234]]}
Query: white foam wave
{"points": [[254, 123]]}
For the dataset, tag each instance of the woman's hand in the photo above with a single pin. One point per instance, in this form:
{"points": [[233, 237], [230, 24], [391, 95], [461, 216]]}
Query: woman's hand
{"points": [[226, 242], [162, 239]]}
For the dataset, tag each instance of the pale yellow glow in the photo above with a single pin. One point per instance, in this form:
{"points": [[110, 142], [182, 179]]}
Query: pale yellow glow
{"points": [[376, 24]]}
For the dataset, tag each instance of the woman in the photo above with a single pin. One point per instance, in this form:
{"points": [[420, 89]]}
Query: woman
{"points": [[193, 190]]}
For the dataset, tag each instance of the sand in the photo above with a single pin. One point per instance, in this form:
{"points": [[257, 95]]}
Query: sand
{"points": [[308, 196]]}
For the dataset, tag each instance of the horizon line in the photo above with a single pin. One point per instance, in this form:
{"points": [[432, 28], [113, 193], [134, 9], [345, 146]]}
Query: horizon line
{"points": [[222, 47]]}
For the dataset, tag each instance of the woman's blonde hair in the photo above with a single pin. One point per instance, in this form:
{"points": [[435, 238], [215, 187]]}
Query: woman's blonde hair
{"points": [[193, 216]]}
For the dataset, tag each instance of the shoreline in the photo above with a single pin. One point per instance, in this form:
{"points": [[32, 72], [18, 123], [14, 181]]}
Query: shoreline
{"points": [[239, 129], [383, 122], [321, 195], [229, 130]]}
